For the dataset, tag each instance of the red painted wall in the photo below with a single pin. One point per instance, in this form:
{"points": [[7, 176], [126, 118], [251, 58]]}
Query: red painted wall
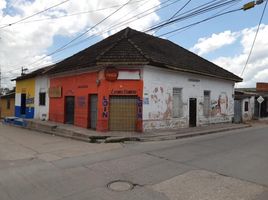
{"points": [[81, 86]]}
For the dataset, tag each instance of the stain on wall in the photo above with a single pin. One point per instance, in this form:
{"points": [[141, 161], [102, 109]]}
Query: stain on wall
{"points": [[158, 92]]}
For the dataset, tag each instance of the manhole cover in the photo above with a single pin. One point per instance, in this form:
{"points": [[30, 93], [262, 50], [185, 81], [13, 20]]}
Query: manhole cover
{"points": [[120, 186]]}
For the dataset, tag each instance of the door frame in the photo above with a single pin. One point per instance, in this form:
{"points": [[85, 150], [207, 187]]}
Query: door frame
{"points": [[23, 94], [89, 110], [195, 118], [65, 109]]}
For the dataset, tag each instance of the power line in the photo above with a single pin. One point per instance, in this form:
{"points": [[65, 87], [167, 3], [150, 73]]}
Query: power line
{"points": [[190, 15], [30, 16], [206, 19], [127, 21], [85, 32], [122, 23], [212, 15], [255, 37], [79, 36], [205, 6], [174, 15], [74, 14]]}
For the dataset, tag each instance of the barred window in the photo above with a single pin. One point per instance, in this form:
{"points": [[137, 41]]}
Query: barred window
{"points": [[42, 98]]}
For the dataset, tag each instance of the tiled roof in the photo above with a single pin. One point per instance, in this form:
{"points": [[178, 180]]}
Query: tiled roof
{"points": [[133, 47], [33, 74], [8, 95]]}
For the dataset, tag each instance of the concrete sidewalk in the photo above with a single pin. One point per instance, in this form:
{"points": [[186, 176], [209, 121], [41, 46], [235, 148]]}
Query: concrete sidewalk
{"points": [[92, 136]]}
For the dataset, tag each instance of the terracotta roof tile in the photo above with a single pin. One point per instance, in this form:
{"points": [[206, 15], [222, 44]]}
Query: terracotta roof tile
{"points": [[131, 47]]}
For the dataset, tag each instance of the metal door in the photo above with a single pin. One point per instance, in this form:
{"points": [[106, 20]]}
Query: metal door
{"points": [[123, 113], [192, 112], [69, 109], [23, 104], [237, 111], [93, 101]]}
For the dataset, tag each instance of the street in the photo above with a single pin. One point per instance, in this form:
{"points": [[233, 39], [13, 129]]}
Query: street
{"points": [[228, 165]]}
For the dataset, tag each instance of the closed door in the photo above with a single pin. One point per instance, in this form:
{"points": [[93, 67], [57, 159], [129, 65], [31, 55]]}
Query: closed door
{"points": [[123, 113], [69, 110], [192, 112], [23, 104], [237, 111], [93, 101]]}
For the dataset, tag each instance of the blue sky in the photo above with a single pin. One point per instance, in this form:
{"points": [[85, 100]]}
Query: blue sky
{"points": [[224, 40], [234, 22]]}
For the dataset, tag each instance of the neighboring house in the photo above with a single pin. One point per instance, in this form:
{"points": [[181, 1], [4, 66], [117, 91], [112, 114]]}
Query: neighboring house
{"points": [[261, 90], [132, 81], [244, 106], [32, 99], [7, 104]]}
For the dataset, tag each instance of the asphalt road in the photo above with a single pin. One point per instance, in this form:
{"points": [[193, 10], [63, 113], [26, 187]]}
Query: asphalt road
{"points": [[230, 165]]}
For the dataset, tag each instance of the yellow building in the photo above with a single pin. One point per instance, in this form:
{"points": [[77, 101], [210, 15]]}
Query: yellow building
{"points": [[25, 93], [7, 105]]}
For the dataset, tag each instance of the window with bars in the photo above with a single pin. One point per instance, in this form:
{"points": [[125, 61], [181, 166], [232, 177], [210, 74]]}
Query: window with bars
{"points": [[177, 103], [206, 103], [42, 98]]}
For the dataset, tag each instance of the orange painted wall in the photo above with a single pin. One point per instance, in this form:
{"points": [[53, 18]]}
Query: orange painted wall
{"points": [[4, 111], [81, 86]]}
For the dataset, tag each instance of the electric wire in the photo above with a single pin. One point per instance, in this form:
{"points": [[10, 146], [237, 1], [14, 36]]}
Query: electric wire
{"points": [[174, 15], [30, 16], [92, 36], [226, 8], [206, 9], [204, 20], [73, 14], [254, 40]]}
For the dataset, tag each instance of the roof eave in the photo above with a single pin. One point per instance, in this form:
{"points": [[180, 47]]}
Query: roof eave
{"points": [[192, 71]]}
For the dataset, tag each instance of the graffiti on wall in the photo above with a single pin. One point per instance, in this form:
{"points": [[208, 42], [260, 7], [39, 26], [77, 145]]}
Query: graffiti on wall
{"points": [[139, 108], [161, 103], [81, 101], [105, 107]]}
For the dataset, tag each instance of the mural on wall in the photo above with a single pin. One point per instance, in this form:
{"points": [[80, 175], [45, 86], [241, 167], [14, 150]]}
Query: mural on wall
{"points": [[161, 102], [220, 106], [105, 107]]}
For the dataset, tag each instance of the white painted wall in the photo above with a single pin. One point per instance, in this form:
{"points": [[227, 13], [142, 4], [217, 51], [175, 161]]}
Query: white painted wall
{"points": [[248, 115], [157, 98], [18, 99], [41, 85]]}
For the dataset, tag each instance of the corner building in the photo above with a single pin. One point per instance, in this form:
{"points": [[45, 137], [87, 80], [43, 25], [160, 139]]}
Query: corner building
{"points": [[132, 81]]}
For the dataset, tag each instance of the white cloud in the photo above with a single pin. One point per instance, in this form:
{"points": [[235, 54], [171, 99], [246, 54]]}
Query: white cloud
{"points": [[214, 42], [24, 43], [257, 68]]}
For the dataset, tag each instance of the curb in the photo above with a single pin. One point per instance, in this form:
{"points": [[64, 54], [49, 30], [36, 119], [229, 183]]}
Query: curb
{"points": [[120, 139], [193, 134]]}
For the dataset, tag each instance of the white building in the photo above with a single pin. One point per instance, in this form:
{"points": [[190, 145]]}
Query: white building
{"points": [[133, 81], [41, 102], [175, 100]]}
